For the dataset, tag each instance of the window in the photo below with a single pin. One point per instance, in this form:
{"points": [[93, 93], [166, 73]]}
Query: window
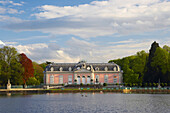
{"points": [[70, 79], [106, 69], [52, 69], [88, 68], [83, 80], [114, 79], [61, 69], [69, 69], [106, 79], [97, 68], [88, 79], [97, 79], [61, 79], [115, 68], [51, 79]]}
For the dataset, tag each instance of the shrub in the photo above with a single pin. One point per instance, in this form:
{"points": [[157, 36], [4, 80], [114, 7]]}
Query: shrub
{"points": [[162, 84], [134, 84], [154, 84], [105, 84], [130, 84], [126, 84], [140, 84], [81, 84], [157, 84], [117, 83], [150, 84], [32, 81]]}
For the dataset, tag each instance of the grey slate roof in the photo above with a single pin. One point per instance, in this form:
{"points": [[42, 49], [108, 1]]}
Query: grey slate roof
{"points": [[74, 66]]}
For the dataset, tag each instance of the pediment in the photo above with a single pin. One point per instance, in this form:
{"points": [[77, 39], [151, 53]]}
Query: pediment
{"points": [[82, 70]]}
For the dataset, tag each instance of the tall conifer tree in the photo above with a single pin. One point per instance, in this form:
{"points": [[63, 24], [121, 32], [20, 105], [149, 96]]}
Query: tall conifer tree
{"points": [[150, 73]]}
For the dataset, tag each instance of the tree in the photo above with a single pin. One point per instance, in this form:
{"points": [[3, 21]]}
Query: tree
{"points": [[150, 74], [133, 67], [160, 65], [167, 48], [10, 66], [138, 64], [28, 67], [43, 65], [32, 81], [38, 72]]}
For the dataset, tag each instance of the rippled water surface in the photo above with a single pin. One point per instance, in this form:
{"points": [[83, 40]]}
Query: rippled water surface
{"points": [[86, 103]]}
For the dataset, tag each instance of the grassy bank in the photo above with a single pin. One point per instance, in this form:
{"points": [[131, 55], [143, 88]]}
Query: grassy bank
{"points": [[38, 90]]}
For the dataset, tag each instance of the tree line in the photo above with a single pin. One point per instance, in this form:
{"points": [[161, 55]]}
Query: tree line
{"points": [[146, 69], [19, 68]]}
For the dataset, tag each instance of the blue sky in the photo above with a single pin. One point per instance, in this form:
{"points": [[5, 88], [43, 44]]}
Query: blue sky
{"points": [[91, 30]]}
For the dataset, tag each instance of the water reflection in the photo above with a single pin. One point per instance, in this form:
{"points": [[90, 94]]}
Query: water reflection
{"points": [[88, 103]]}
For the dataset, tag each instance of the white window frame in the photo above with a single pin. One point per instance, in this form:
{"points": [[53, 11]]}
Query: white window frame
{"points": [[60, 79], [51, 79], [105, 78]]}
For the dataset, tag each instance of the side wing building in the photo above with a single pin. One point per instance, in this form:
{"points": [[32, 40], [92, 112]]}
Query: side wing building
{"points": [[82, 72]]}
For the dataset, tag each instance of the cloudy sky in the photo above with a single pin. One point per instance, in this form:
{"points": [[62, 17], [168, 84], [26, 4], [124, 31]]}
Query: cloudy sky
{"points": [[91, 30]]}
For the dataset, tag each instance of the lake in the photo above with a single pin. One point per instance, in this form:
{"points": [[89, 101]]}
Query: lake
{"points": [[85, 103]]}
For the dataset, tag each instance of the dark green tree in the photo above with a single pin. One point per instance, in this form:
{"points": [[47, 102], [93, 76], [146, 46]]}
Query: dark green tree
{"points": [[43, 65], [150, 73], [160, 64]]}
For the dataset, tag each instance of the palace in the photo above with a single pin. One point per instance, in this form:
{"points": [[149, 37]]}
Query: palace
{"points": [[82, 72]]}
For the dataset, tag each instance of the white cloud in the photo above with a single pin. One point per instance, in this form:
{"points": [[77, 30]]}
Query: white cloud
{"points": [[100, 18], [42, 52], [2, 43], [79, 49], [4, 2], [6, 10], [11, 43], [122, 42], [9, 19]]}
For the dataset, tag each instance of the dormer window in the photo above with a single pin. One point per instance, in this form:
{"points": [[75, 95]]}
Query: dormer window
{"points": [[106, 68], [61, 69], [115, 68], [78, 68], [88, 68], [97, 68], [69, 68], [52, 69]]}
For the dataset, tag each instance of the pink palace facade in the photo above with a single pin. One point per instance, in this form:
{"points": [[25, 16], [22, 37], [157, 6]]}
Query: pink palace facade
{"points": [[82, 72]]}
